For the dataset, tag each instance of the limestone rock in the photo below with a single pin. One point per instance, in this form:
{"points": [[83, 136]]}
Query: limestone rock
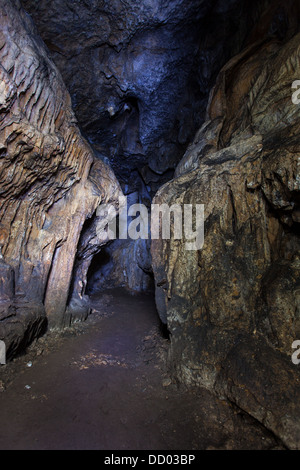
{"points": [[46, 191], [244, 167], [262, 381], [139, 72]]}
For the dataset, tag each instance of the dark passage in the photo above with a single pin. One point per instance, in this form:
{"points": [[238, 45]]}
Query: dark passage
{"points": [[104, 385], [99, 270]]}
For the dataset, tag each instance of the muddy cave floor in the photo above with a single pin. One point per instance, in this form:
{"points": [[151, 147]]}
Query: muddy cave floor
{"points": [[104, 384]]}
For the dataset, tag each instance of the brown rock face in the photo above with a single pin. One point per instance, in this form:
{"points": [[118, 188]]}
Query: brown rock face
{"points": [[47, 188], [238, 297]]}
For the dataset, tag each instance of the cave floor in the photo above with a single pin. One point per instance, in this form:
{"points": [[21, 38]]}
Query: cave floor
{"points": [[104, 384]]}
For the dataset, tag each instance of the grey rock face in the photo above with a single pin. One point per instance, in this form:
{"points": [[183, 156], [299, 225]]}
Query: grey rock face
{"points": [[139, 72]]}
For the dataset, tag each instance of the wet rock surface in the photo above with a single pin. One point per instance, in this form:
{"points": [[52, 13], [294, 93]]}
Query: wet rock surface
{"points": [[105, 384], [244, 167], [257, 378], [47, 185]]}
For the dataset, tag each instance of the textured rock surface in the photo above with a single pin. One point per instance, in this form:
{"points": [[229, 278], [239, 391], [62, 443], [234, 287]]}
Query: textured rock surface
{"points": [[47, 187], [244, 283], [139, 74], [258, 379], [124, 263]]}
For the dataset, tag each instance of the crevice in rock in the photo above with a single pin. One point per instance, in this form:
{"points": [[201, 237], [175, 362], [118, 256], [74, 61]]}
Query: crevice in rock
{"points": [[98, 271], [257, 423]]}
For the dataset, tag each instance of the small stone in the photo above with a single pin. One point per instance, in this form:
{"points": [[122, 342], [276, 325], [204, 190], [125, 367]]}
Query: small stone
{"points": [[166, 382]]}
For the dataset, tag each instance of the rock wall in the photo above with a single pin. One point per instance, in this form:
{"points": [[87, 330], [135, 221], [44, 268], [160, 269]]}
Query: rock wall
{"points": [[139, 74], [50, 184], [232, 308]]}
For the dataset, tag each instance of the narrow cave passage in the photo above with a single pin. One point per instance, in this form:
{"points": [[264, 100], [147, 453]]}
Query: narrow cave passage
{"points": [[98, 272], [104, 384], [174, 101]]}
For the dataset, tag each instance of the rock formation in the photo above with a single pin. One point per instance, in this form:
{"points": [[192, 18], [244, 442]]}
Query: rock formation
{"points": [[139, 74], [50, 184], [144, 80], [233, 307]]}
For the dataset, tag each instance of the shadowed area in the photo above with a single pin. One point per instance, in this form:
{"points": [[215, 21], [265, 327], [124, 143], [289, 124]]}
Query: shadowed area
{"points": [[105, 385], [177, 103]]}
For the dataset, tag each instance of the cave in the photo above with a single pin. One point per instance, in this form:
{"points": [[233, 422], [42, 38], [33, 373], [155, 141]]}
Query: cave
{"points": [[149, 225]]}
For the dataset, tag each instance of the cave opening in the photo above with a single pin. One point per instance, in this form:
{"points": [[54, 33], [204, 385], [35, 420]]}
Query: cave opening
{"points": [[98, 271], [139, 80], [139, 90]]}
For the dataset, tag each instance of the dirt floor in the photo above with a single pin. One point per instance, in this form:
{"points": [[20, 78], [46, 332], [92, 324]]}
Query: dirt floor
{"points": [[104, 384]]}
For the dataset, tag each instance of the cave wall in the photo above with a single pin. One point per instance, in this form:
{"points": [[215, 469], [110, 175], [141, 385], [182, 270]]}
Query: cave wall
{"points": [[139, 74], [143, 79], [50, 184], [232, 307]]}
